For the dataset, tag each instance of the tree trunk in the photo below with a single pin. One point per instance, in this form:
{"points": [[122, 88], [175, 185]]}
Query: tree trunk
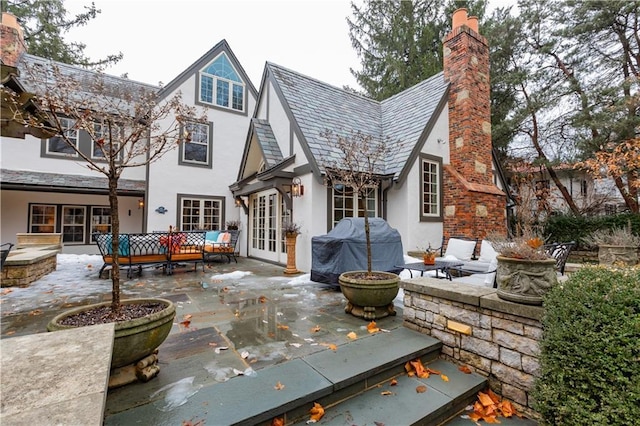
{"points": [[368, 240], [115, 242]]}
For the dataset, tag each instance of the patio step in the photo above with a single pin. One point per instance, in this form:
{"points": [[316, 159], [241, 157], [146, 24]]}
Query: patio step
{"points": [[347, 382]]}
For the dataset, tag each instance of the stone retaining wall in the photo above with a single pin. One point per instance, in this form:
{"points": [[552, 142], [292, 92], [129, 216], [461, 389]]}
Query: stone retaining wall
{"points": [[25, 266], [496, 338]]}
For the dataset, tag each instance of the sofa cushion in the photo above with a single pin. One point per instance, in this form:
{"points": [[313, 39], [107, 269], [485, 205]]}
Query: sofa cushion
{"points": [[211, 237], [487, 252], [460, 249]]}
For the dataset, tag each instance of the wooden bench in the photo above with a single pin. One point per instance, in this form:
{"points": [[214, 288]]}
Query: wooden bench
{"points": [[167, 249]]}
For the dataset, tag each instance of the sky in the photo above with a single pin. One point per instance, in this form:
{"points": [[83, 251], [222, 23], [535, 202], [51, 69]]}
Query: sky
{"points": [[161, 38]]}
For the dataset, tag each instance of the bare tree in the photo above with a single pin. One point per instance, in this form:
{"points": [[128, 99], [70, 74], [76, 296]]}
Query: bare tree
{"points": [[129, 126], [357, 161]]}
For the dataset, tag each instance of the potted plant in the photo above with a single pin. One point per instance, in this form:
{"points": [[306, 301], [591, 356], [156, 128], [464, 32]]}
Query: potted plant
{"points": [[129, 126], [525, 272], [290, 231], [615, 245], [233, 225], [428, 255], [358, 165]]}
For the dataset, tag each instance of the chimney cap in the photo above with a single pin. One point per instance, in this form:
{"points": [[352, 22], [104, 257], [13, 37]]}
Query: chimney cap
{"points": [[459, 18]]}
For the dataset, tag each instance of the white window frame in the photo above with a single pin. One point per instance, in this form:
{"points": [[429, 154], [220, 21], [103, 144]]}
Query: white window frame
{"points": [[230, 85], [51, 218], [82, 226], [197, 137], [208, 221], [71, 133], [430, 187], [354, 197], [99, 130], [100, 220]]}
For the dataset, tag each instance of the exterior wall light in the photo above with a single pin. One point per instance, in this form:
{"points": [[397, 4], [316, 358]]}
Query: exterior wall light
{"points": [[297, 188], [140, 204]]}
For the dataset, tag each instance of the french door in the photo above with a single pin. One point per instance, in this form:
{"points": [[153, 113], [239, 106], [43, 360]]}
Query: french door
{"points": [[265, 219]]}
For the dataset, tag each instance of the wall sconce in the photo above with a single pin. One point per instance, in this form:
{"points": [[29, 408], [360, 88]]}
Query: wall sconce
{"points": [[140, 203], [161, 210], [238, 202], [297, 188]]}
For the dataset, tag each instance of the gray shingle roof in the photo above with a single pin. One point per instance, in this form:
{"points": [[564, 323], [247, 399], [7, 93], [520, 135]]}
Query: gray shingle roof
{"points": [[318, 107], [267, 140], [54, 180]]}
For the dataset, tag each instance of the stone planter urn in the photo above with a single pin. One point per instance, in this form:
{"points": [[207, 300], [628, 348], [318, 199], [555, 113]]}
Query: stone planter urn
{"points": [[290, 243], [525, 281], [619, 255], [135, 341], [369, 298]]}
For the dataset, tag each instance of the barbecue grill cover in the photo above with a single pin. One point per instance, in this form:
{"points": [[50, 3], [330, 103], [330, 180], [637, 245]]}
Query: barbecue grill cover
{"points": [[344, 249]]}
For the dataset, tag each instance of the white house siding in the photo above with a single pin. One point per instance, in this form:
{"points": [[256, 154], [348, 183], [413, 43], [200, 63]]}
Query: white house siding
{"points": [[281, 126], [168, 178], [403, 201]]}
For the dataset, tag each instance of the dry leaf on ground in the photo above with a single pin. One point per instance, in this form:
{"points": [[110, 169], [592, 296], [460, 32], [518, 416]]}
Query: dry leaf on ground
{"points": [[315, 329], [421, 389], [386, 393], [393, 382], [316, 412], [488, 407], [283, 327], [465, 369], [352, 336], [330, 346], [278, 421], [278, 386], [372, 327], [444, 378]]}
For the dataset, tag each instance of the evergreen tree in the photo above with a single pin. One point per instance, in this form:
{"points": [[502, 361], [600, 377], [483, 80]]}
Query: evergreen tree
{"points": [[400, 42], [44, 23]]}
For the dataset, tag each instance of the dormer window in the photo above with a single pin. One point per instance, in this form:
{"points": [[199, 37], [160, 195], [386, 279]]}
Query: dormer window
{"points": [[220, 85]]}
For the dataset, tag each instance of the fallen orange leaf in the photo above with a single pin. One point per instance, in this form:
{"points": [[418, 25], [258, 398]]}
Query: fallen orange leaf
{"points": [[465, 369], [393, 382], [444, 378], [278, 421], [432, 371], [315, 329], [352, 336], [386, 393], [185, 323], [372, 328], [484, 399], [35, 312], [283, 327], [421, 389], [278, 386], [330, 346], [316, 412], [495, 398]]}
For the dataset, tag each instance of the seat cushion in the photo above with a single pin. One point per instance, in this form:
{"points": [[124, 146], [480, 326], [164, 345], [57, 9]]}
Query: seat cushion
{"points": [[460, 249], [487, 252]]}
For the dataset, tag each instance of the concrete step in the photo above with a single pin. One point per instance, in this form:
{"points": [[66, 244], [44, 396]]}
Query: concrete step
{"points": [[327, 377], [402, 404]]}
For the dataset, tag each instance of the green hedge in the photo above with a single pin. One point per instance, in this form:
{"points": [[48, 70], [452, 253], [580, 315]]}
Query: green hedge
{"points": [[576, 228], [590, 350]]}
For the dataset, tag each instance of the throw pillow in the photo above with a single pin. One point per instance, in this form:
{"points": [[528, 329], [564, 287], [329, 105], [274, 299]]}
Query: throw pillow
{"points": [[491, 276], [487, 252], [461, 249], [211, 237], [226, 238]]}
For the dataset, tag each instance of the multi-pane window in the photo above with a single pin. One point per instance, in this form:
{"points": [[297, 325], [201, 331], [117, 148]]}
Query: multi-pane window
{"points": [[346, 203], [429, 187], [221, 85], [104, 141], [57, 145], [583, 188], [100, 220], [73, 224], [258, 207], [200, 213], [197, 148], [42, 218]]}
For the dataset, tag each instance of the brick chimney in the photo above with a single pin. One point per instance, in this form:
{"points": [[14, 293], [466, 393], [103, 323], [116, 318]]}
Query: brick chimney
{"points": [[473, 205], [12, 40]]}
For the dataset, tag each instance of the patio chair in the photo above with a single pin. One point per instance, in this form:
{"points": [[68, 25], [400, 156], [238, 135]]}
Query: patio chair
{"points": [[4, 253], [560, 252]]}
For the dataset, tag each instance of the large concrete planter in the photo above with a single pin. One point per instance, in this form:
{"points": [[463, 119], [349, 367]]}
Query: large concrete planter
{"points": [[525, 281], [618, 255], [369, 298], [134, 339]]}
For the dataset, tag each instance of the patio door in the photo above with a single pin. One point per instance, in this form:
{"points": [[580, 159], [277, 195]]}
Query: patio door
{"points": [[265, 219]]}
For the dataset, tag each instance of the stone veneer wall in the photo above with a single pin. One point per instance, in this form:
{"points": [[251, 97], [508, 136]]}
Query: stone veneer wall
{"points": [[496, 338], [22, 270]]}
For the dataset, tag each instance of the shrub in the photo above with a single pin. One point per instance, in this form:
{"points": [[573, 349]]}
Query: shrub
{"points": [[590, 351], [578, 228]]}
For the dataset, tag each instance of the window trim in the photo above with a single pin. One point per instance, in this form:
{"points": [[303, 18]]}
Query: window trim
{"points": [[182, 197], [55, 217], [355, 198], [192, 163], [213, 104], [54, 154], [439, 216], [82, 226]]}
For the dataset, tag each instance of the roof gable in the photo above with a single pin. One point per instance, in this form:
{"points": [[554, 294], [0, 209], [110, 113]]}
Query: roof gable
{"points": [[403, 120]]}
